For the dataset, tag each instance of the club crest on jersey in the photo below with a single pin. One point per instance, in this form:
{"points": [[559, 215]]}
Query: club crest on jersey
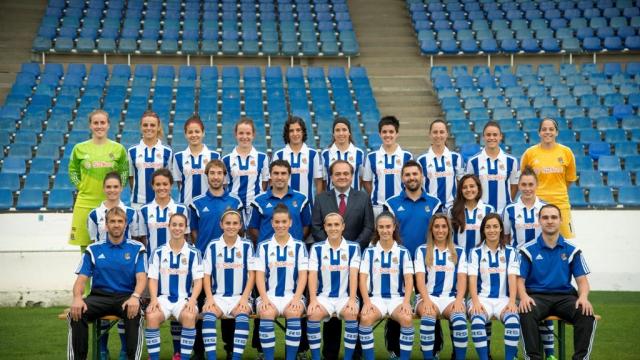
{"points": [[501, 166], [290, 252], [427, 208], [344, 257], [294, 203], [450, 258], [184, 261], [560, 161], [480, 216], [239, 255], [563, 256], [448, 163], [252, 163], [395, 260], [398, 161], [127, 256], [502, 259], [351, 159], [111, 156], [158, 155], [304, 160]]}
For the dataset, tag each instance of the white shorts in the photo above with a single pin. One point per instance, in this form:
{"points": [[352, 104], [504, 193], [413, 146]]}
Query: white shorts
{"points": [[169, 308], [227, 304], [377, 210], [493, 306], [281, 302], [334, 305], [386, 306], [441, 302]]}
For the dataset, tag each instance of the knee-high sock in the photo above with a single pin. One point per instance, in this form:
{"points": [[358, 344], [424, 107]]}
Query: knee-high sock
{"points": [[104, 339], [315, 338], [511, 335], [241, 335], [152, 337], [350, 338], [406, 342], [427, 336], [176, 331], [292, 338], [479, 335], [187, 339], [366, 340], [209, 334], [123, 337], [267, 338], [460, 334], [546, 334]]}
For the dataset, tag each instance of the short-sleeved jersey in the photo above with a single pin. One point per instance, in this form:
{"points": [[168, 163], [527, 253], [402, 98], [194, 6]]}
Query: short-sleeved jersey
{"points": [[521, 222], [442, 276], [469, 238], [246, 174], [305, 168], [386, 270], [496, 177], [97, 223], [189, 171], [548, 270], [264, 204], [492, 269], [205, 212], [175, 272], [441, 174], [384, 171], [143, 161], [228, 266], [281, 265], [413, 217], [333, 266], [154, 222], [88, 166], [113, 267], [353, 155], [554, 168]]}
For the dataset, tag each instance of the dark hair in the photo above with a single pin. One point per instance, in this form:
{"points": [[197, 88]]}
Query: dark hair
{"points": [[230, 212], [183, 216], [396, 232], [458, 218], [162, 172], [216, 163], [440, 121], [411, 163], [549, 206], [490, 124], [194, 119], [112, 175], [389, 120], [279, 162], [340, 161], [116, 211], [528, 171], [341, 120], [247, 121], [501, 240], [290, 121], [153, 114], [554, 121], [281, 209]]}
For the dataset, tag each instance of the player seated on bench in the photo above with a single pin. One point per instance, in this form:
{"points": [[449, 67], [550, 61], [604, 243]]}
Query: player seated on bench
{"points": [[386, 285], [544, 287], [281, 276], [117, 268], [441, 284], [175, 281], [228, 296], [333, 284]]}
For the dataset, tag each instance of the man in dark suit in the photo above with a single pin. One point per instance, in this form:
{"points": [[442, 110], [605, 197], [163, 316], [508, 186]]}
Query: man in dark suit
{"points": [[355, 207]]}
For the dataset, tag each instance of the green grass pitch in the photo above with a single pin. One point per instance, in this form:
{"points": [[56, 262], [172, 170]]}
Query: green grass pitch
{"points": [[36, 333]]}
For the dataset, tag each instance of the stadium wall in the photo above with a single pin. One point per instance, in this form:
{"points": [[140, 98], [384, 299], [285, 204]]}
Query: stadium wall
{"points": [[37, 266]]}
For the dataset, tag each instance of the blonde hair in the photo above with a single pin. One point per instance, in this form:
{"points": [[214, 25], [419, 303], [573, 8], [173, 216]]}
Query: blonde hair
{"points": [[449, 241], [99, 112], [153, 114]]}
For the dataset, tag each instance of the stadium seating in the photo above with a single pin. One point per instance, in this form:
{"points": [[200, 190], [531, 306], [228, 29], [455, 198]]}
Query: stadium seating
{"points": [[186, 27]]}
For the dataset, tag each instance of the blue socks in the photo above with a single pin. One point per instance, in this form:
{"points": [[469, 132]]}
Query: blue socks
{"points": [[406, 342], [511, 335], [209, 334], [315, 338], [104, 339], [366, 340], [292, 338], [427, 336], [153, 343], [267, 338], [350, 338], [546, 334], [186, 342], [460, 334], [479, 335], [241, 336], [176, 330]]}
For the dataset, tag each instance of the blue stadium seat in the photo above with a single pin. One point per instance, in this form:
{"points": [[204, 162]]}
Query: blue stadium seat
{"points": [[13, 165], [597, 149], [608, 163], [626, 148], [60, 199], [576, 197], [629, 196], [618, 179], [601, 196], [37, 181], [589, 179], [41, 166], [62, 181], [583, 162], [30, 199], [9, 181]]}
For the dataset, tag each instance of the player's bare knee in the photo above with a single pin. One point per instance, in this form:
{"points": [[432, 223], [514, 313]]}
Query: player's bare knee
{"points": [[188, 318]]}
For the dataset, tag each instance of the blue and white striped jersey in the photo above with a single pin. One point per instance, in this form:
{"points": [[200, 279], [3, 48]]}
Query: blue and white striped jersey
{"points": [[442, 276], [386, 270], [492, 269], [175, 272], [333, 266], [305, 168], [154, 222], [228, 266], [245, 175], [384, 171], [441, 174], [189, 171], [353, 155], [469, 238], [522, 223], [143, 161], [496, 177], [97, 222], [281, 265]]}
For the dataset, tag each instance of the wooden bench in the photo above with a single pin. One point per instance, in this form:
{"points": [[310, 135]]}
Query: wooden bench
{"points": [[96, 331]]}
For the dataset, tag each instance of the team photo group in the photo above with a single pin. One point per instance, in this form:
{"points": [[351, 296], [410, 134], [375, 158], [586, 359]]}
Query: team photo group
{"points": [[325, 240]]}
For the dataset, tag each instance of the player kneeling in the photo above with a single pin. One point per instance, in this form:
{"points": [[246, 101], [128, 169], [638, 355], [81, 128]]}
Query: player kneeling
{"points": [[227, 284], [386, 285], [333, 284], [281, 276], [175, 281], [493, 269]]}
